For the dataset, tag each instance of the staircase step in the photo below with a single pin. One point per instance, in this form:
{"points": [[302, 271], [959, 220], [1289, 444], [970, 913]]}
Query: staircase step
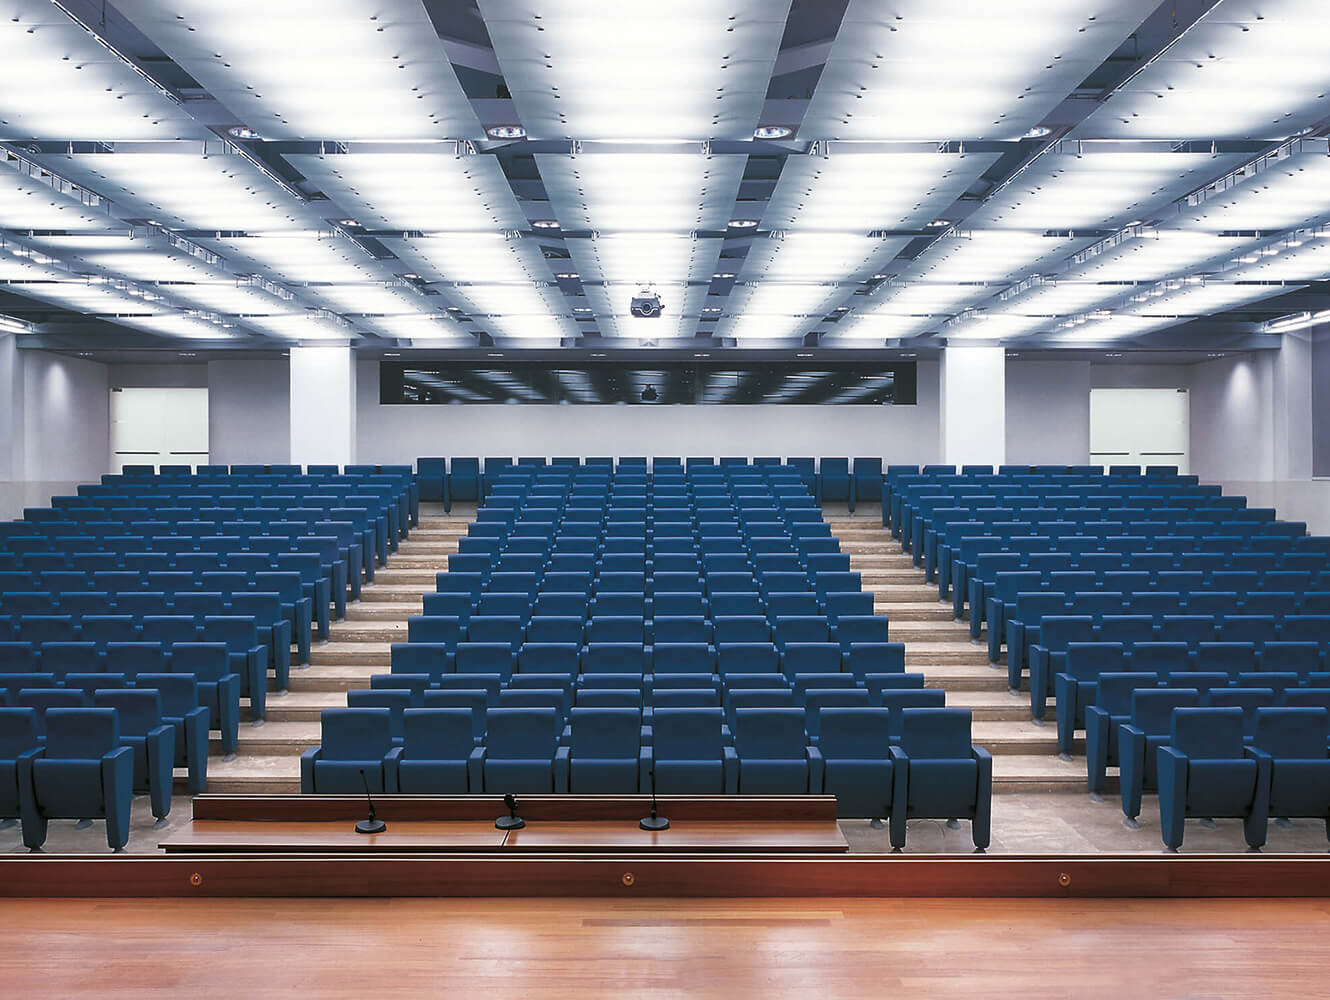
{"points": [[251, 774], [914, 611], [382, 592], [1042, 773], [382, 612], [394, 631], [272, 739], [340, 654]]}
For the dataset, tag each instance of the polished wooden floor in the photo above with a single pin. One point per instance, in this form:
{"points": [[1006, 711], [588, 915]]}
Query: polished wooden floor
{"points": [[665, 948]]}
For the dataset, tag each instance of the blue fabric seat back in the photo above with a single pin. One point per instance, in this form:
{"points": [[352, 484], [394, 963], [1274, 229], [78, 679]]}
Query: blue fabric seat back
{"points": [[473, 700], [769, 733], [688, 734], [1152, 709], [1299, 733], [356, 734], [854, 734], [521, 733], [1087, 660], [438, 733], [1161, 657], [748, 658], [811, 658]]}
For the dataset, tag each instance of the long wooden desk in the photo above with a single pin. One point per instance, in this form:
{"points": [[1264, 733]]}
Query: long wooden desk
{"points": [[299, 824]]}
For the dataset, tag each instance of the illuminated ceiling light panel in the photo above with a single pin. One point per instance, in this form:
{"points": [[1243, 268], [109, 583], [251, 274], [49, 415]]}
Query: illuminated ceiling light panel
{"points": [[1308, 262], [309, 69], [1281, 195], [880, 326], [860, 192], [751, 328], [1249, 69], [484, 258], [1116, 326], [642, 192], [1196, 300], [991, 256], [363, 298], [434, 328], [956, 69], [181, 325], [772, 299], [921, 298], [509, 300], [994, 326], [300, 326], [1156, 255], [305, 257], [645, 259], [818, 257], [1060, 298], [690, 69], [1097, 190], [186, 190], [425, 192], [228, 298], [27, 203], [62, 84]]}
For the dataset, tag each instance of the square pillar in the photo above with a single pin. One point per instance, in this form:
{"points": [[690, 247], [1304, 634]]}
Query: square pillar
{"points": [[974, 405], [323, 406]]}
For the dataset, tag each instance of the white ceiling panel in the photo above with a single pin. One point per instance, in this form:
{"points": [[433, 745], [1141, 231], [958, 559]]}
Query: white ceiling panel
{"points": [[299, 257], [819, 257], [1153, 255], [309, 69], [481, 258], [1097, 190], [1249, 69], [426, 192], [187, 190], [1290, 191], [29, 203], [645, 259], [860, 192], [689, 69], [957, 69], [994, 256], [642, 192], [60, 83]]}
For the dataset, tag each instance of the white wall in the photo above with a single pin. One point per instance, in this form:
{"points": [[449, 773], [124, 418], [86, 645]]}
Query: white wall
{"points": [[249, 404], [974, 405], [1048, 412], [1320, 401], [396, 434], [323, 405], [1232, 419]]}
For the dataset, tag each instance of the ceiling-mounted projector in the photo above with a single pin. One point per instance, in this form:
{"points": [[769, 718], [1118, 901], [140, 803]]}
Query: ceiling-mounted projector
{"points": [[646, 304]]}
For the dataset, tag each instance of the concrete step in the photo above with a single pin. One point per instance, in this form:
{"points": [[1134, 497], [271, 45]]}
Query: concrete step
{"points": [[272, 739], [1018, 738], [891, 592], [383, 611], [432, 562], [303, 706], [389, 631], [382, 593], [336, 677], [421, 577], [987, 706], [881, 562], [904, 630], [1039, 773], [914, 611], [340, 654], [951, 677], [251, 774]]}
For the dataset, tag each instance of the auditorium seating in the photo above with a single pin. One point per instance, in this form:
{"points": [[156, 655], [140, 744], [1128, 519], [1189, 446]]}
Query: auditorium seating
{"points": [[1204, 771]]}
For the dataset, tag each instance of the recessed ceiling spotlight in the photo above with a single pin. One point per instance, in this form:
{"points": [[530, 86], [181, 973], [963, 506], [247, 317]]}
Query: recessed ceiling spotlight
{"points": [[188, 354], [724, 274], [546, 224], [1216, 355], [911, 354], [743, 223], [711, 309], [701, 355], [772, 132], [411, 277], [494, 355], [506, 132], [85, 354], [347, 222], [803, 355], [841, 309], [595, 355], [454, 309], [566, 274], [1038, 132], [242, 132], [938, 223], [392, 354], [878, 277], [581, 309]]}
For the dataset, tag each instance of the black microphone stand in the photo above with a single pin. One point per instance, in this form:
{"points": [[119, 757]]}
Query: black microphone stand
{"points": [[512, 821], [373, 824], [655, 822]]}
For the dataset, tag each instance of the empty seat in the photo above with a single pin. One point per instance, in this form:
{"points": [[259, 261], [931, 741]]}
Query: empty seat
{"points": [[150, 736], [521, 747], [1294, 741], [856, 764], [356, 742], [605, 752], [1139, 738], [1204, 771], [689, 753], [940, 774], [439, 755]]}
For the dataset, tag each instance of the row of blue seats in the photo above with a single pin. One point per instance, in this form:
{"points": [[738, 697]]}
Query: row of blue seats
{"points": [[84, 768], [1291, 672], [1209, 759], [580, 604], [189, 674], [239, 635], [623, 660], [812, 698], [514, 630], [1056, 633], [933, 771]]}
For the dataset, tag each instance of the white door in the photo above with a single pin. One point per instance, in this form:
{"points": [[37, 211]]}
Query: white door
{"points": [[159, 427], [1139, 427]]}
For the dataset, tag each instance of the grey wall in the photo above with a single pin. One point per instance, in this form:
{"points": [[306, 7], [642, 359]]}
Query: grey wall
{"points": [[249, 414], [394, 434], [168, 376], [1232, 418], [1320, 359], [1048, 412]]}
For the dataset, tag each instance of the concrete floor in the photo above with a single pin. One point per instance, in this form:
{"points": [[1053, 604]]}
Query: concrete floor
{"points": [[1056, 824]]}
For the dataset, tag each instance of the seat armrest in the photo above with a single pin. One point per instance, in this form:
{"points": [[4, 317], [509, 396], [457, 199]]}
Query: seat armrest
{"points": [[475, 770], [730, 770], [816, 771], [307, 760], [562, 765]]}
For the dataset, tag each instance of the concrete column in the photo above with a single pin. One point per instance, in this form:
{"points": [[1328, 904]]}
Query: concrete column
{"points": [[323, 406], [974, 405]]}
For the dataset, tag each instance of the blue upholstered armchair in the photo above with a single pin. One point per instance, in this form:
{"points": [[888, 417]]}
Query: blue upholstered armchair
{"points": [[606, 755], [1076, 686], [1141, 736], [1204, 771], [940, 774], [218, 687], [1111, 708], [1294, 741], [439, 754], [855, 762], [152, 739], [354, 740], [18, 739], [773, 750], [182, 710], [83, 772], [522, 752], [690, 754]]}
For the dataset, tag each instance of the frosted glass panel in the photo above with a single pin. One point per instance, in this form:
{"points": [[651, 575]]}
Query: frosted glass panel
{"points": [[159, 427], [1139, 427]]}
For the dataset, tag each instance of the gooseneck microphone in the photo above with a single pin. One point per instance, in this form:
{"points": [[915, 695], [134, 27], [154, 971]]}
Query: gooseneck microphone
{"points": [[655, 822], [512, 821], [373, 824]]}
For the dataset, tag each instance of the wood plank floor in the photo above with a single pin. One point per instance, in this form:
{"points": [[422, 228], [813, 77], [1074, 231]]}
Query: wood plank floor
{"points": [[665, 948]]}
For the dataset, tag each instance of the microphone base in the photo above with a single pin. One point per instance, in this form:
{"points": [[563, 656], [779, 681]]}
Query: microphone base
{"points": [[509, 823], [654, 823], [368, 826]]}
